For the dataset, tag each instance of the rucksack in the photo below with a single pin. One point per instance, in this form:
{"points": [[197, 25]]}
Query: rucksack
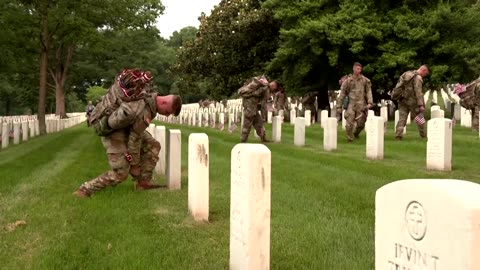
{"points": [[252, 88], [399, 90]]}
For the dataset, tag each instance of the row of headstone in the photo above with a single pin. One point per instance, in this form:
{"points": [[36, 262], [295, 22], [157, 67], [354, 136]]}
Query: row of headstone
{"points": [[20, 128]]}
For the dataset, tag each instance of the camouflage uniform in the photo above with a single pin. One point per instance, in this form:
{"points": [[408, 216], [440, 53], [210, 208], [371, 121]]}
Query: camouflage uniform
{"points": [[411, 103], [308, 103], [359, 92], [471, 100], [129, 145], [475, 121], [279, 101], [252, 94]]}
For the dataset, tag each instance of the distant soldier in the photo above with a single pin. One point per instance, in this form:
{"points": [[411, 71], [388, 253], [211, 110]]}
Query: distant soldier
{"points": [[308, 103], [408, 93], [280, 98], [357, 88], [252, 93], [88, 111], [470, 99]]}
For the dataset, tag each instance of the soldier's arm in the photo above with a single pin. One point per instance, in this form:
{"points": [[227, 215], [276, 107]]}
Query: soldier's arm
{"points": [[134, 142], [125, 115], [368, 88], [343, 93], [417, 88]]}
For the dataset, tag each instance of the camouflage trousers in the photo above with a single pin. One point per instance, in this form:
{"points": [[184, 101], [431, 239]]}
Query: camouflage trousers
{"points": [[116, 148], [355, 122], [475, 118], [250, 119], [404, 108]]}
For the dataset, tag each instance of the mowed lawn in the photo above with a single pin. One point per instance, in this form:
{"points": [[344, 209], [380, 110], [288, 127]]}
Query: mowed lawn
{"points": [[322, 214]]}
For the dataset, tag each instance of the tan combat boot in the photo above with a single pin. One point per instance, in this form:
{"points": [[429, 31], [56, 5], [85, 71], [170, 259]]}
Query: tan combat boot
{"points": [[145, 185], [81, 193]]}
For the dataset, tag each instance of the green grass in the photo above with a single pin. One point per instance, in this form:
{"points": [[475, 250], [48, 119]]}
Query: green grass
{"points": [[322, 203]]}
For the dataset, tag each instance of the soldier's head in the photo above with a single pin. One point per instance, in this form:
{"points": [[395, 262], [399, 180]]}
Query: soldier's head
{"points": [[357, 68], [167, 105], [273, 85], [89, 102], [423, 70]]}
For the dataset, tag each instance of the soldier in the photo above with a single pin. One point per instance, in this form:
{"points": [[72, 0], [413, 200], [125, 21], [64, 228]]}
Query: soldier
{"points": [[358, 90], [130, 149], [308, 103], [252, 94], [410, 100], [280, 97], [470, 99], [88, 111]]}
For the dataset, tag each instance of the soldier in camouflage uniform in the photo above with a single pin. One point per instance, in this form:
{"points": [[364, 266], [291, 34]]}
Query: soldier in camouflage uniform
{"points": [[470, 99], [130, 148], [308, 103], [412, 101], [476, 110], [358, 89], [280, 97], [252, 94]]}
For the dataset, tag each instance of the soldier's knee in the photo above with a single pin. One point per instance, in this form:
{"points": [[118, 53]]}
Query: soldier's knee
{"points": [[121, 174]]}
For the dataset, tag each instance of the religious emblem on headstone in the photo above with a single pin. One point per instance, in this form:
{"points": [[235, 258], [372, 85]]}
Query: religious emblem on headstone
{"points": [[416, 220]]}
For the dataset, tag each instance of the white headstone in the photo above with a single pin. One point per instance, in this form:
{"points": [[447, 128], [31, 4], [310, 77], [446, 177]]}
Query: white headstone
{"points": [[299, 133], [384, 113], [160, 136], [269, 117], [457, 113], [427, 224], [308, 118], [293, 115], [5, 137], [330, 134], [323, 118], [277, 129], [344, 121], [221, 121], [198, 176], [151, 129], [250, 207], [437, 114], [409, 119], [174, 159], [439, 144], [16, 133], [434, 108], [375, 134], [31, 128]]}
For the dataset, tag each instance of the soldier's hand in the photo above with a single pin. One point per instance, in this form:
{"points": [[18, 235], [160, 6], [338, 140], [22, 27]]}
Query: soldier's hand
{"points": [[369, 106], [422, 108]]}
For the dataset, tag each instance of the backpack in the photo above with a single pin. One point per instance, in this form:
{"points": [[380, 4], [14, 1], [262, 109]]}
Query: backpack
{"points": [[399, 90], [252, 88]]}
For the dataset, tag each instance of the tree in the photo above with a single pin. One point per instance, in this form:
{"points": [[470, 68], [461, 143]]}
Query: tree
{"points": [[64, 25], [95, 93], [178, 38], [319, 40], [232, 44]]}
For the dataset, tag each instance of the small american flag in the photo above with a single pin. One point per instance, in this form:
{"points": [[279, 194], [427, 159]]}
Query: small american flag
{"points": [[420, 119]]}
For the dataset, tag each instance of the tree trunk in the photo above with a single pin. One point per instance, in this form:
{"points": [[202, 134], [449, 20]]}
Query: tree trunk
{"points": [[63, 60], [42, 92]]}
